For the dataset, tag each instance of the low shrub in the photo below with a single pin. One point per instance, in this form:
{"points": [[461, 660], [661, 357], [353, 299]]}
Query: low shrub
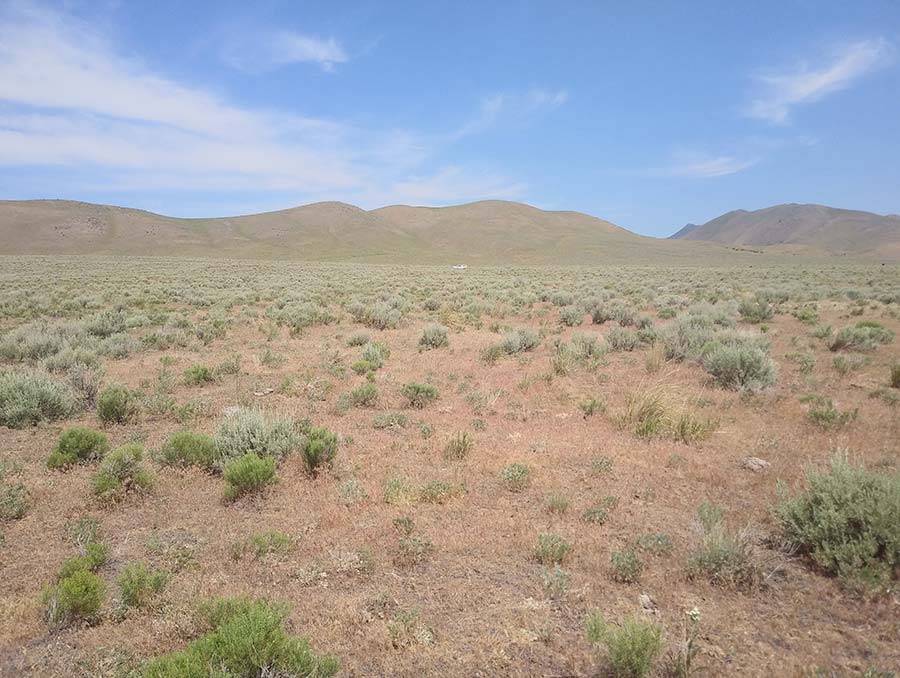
{"points": [[439, 492], [248, 474], [551, 549], [631, 647], [28, 397], [434, 336], [246, 431], [13, 501], [375, 353], [739, 366], [76, 598], [358, 339], [77, 444], [847, 520], [620, 339], [519, 341], [515, 477], [571, 316], [319, 449], [365, 395], [197, 375], [116, 405], [866, 335], [121, 472], [384, 420], [186, 448], [756, 310], [627, 566], [419, 395], [245, 638]]}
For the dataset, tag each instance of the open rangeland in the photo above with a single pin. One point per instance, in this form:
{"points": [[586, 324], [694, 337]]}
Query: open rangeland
{"points": [[482, 472]]}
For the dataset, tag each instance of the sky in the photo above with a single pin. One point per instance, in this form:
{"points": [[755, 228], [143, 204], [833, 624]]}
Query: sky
{"points": [[647, 114]]}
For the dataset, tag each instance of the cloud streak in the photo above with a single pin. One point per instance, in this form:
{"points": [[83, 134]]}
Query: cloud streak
{"points": [[70, 99], [270, 49], [780, 92], [699, 165]]}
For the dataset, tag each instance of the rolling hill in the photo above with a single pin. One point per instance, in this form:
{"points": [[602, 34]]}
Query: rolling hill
{"points": [[803, 228], [487, 232]]}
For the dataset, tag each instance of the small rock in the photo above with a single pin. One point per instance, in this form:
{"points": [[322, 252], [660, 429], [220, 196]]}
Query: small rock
{"points": [[755, 464], [648, 604]]}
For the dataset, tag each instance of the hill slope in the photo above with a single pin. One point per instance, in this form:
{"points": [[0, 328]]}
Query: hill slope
{"points": [[488, 232], [814, 228]]}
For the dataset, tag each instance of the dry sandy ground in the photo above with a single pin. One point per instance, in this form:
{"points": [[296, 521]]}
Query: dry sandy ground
{"points": [[480, 593]]}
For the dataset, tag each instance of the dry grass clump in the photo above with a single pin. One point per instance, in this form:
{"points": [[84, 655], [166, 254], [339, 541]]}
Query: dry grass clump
{"points": [[653, 411]]}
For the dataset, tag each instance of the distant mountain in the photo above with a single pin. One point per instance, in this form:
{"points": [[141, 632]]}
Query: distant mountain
{"points": [[803, 228], [487, 232]]}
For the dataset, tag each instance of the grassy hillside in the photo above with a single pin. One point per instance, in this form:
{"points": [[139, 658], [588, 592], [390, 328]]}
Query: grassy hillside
{"points": [[803, 228], [488, 232]]}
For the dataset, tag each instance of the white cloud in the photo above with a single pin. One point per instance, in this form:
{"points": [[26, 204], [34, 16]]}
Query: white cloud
{"points": [[780, 92], [265, 50], [70, 99], [700, 165]]}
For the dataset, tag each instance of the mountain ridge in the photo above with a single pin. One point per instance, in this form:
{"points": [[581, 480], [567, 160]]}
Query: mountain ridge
{"points": [[481, 232], [802, 227]]}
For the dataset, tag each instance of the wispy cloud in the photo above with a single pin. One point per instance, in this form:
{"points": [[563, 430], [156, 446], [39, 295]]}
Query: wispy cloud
{"points": [[70, 99], [514, 108], [265, 50], [700, 165], [779, 92]]}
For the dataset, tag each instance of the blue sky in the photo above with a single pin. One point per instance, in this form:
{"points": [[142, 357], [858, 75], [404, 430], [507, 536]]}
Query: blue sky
{"points": [[649, 114]]}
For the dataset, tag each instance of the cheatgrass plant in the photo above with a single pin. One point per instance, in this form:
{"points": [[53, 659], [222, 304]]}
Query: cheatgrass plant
{"points": [[77, 445], [723, 556], [458, 447], [847, 521], [652, 411]]}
